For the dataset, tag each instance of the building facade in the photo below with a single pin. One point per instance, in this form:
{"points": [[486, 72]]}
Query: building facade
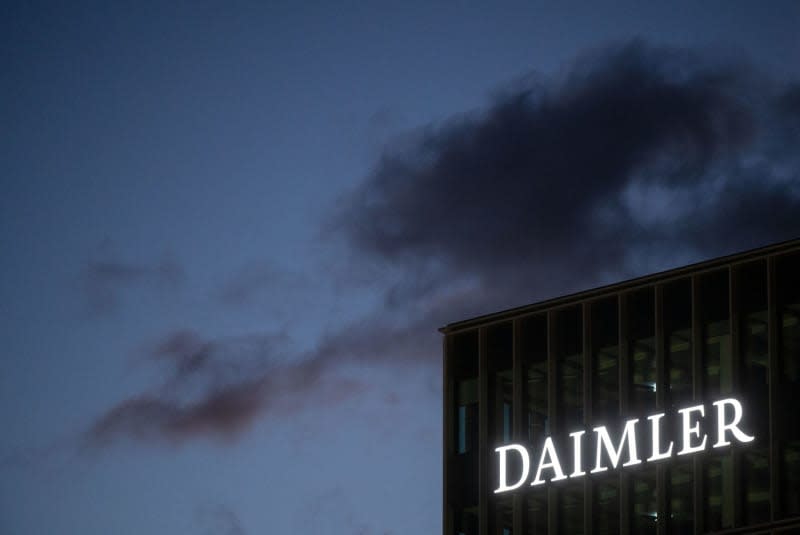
{"points": [[560, 373]]}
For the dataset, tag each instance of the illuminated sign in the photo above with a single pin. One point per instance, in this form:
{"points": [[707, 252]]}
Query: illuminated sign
{"points": [[608, 454]]}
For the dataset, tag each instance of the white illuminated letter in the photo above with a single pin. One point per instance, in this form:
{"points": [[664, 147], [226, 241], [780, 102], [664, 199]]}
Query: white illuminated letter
{"points": [[689, 430], [549, 451], [656, 434], [526, 466], [722, 427], [604, 441], [576, 448]]}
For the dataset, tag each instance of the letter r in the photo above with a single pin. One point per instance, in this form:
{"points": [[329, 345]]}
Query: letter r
{"points": [[733, 426]]}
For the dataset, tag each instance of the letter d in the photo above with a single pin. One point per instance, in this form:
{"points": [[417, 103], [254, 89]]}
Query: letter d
{"points": [[526, 465]]}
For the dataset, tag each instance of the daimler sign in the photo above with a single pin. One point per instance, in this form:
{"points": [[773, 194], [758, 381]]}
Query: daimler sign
{"points": [[608, 454]]}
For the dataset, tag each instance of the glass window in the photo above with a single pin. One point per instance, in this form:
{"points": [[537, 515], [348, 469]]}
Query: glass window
{"points": [[463, 466], [717, 359], [605, 408], [500, 348], [569, 345], [536, 512], [570, 510], [644, 519], [788, 425], [503, 516], [464, 365], [605, 520], [681, 506], [751, 303], [569, 362], [678, 337], [533, 351], [714, 306], [718, 492], [500, 353], [605, 361], [677, 314], [465, 522], [642, 350]]}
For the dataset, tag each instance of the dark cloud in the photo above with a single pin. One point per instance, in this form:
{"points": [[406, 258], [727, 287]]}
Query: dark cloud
{"points": [[636, 157], [217, 388], [106, 278]]}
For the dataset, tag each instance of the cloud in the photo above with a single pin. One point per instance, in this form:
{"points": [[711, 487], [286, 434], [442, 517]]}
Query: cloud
{"points": [[260, 280], [217, 389], [106, 278], [635, 159], [635, 156]]}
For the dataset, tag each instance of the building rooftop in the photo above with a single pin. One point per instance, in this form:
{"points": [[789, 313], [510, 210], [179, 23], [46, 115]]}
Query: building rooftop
{"points": [[662, 276]]}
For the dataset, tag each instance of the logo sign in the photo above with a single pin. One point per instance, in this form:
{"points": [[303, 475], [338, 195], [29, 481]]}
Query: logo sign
{"points": [[627, 449]]}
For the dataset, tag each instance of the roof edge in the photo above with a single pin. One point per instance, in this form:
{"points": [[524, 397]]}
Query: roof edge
{"points": [[703, 265]]}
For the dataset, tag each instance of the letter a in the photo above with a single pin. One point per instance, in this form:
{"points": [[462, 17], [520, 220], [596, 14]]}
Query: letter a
{"points": [[548, 451]]}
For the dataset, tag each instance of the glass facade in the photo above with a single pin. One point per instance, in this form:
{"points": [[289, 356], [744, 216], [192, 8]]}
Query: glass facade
{"points": [[727, 328]]}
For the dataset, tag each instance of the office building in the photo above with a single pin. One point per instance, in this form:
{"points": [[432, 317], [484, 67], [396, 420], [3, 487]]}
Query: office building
{"points": [[562, 373]]}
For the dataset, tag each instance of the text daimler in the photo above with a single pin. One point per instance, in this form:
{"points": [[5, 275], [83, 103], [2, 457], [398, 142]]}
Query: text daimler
{"points": [[626, 449]]}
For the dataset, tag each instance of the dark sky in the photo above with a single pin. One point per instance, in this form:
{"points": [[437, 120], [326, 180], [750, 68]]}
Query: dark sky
{"points": [[230, 232]]}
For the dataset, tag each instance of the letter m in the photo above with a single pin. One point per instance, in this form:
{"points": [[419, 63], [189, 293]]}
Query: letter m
{"points": [[614, 454]]}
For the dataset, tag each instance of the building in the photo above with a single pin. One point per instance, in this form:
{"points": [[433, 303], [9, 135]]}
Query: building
{"points": [[574, 367]]}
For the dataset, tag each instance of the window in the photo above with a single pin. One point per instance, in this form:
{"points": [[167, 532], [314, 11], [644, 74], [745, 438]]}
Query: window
{"points": [[681, 508], [605, 519], [533, 351], [717, 375], [500, 353], [751, 302], [644, 508], [605, 361], [570, 510], [788, 424], [717, 356], [536, 512], [678, 336], [569, 361], [642, 350]]}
